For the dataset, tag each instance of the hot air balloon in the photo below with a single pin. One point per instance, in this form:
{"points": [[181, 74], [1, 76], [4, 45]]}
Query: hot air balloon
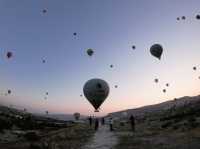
{"points": [[47, 93], [77, 115], [96, 91], [116, 86], [111, 66], [9, 91], [198, 17], [90, 52], [81, 95], [194, 68], [183, 17], [156, 50], [9, 54], [74, 33], [156, 80], [167, 84], [164, 90], [178, 18], [133, 47], [43, 61], [44, 11]]}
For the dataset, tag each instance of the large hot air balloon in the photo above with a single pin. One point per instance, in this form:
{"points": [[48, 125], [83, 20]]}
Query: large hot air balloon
{"points": [[156, 50], [96, 91], [90, 52], [77, 115]]}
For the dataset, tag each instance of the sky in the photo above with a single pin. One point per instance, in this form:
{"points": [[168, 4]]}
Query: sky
{"points": [[110, 28]]}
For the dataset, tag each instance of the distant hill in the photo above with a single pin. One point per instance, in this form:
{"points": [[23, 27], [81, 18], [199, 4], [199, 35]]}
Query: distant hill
{"points": [[139, 112]]}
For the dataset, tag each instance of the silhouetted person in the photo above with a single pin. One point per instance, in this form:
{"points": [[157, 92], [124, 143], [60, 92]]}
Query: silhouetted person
{"points": [[111, 124], [132, 121], [102, 121], [90, 121], [96, 124]]}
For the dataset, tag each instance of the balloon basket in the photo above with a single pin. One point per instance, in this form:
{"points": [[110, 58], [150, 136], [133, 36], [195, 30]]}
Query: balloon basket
{"points": [[96, 110]]}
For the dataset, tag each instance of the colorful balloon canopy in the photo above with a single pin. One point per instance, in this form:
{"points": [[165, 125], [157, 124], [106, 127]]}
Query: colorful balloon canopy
{"points": [[96, 91], [156, 50], [90, 52]]}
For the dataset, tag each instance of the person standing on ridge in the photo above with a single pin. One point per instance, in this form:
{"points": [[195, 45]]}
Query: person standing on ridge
{"points": [[111, 124], [96, 124], [132, 122], [90, 121]]}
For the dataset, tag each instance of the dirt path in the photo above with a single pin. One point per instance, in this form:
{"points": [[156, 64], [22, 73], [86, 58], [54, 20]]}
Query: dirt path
{"points": [[103, 139]]}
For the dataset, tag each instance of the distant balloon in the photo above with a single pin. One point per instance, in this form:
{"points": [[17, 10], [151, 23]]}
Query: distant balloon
{"points": [[111, 66], [167, 84], [133, 47], [96, 91], [178, 18], [198, 17], [9, 54], [90, 52], [43, 61], [156, 50], [194, 68], [9, 91], [77, 115], [164, 90], [74, 33], [116, 86], [81, 95], [44, 11], [156, 80], [183, 17]]}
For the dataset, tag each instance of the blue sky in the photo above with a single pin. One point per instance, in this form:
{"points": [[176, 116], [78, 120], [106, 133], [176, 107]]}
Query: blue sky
{"points": [[110, 27]]}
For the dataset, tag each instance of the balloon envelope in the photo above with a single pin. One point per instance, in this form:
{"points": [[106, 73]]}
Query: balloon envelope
{"points": [[96, 91], [156, 50], [90, 52]]}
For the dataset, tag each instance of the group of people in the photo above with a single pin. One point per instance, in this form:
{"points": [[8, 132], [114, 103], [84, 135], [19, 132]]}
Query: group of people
{"points": [[96, 122]]}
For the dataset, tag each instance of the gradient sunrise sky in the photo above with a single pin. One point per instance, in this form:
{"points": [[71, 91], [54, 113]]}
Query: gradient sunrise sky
{"points": [[110, 27]]}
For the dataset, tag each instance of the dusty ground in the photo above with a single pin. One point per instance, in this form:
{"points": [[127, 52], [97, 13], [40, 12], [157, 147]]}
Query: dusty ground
{"points": [[103, 139]]}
